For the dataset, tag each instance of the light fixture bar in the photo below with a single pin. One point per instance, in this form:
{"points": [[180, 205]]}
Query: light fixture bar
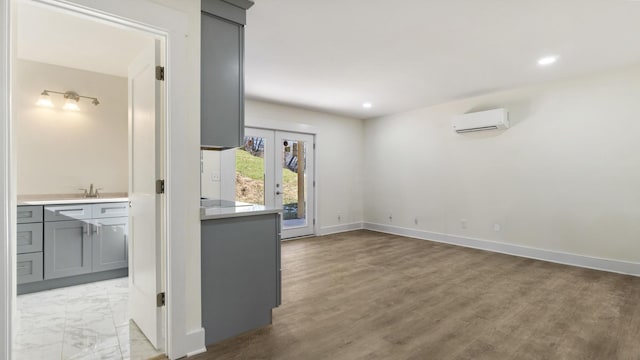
{"points": [[72, 95]]}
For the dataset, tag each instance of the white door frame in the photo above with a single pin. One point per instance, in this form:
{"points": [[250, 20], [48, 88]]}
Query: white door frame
{"points": [[166, 23]]}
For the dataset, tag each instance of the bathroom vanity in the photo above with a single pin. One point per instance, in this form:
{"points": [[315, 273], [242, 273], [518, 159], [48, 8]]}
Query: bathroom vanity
{"points": [[63, 242]]}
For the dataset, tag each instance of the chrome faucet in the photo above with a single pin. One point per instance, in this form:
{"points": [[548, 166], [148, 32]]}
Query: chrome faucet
{"points": [[92, 192]]}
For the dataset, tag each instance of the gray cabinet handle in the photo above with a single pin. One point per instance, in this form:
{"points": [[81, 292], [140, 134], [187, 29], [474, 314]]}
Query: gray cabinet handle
{"points": [[85, 229]]}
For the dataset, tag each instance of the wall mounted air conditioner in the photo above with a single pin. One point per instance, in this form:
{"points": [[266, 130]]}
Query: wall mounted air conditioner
{"points": [[482, 120]]}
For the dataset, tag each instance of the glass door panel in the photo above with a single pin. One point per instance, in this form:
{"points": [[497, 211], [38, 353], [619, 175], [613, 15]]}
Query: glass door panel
{"points": [[294, 183], [253, 183]]}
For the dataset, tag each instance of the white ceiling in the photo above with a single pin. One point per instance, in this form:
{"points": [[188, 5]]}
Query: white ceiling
{"points": [[333, 55], [49, 36]]}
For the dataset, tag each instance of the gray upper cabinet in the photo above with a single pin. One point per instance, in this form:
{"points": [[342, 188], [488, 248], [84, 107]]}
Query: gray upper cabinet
{"points": [[110, 243], [222, 73], [67, 248]]}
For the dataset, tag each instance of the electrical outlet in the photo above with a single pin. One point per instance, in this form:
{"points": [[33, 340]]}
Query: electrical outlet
{"points": [[415, 220], [339, 217], [463, 223], [496, 227], [390, 217]]}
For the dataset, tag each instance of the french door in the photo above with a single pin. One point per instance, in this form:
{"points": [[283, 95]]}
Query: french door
{"points": [[275, 168]]}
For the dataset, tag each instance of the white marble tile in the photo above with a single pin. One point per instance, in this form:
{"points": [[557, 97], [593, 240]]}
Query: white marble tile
{"points": [[134, 344], [89, 321], [120, 312], [111, 353], [52, 351]]}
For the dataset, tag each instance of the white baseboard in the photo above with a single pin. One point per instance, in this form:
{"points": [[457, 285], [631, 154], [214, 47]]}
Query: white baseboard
{"points": [[326, 230], [195, 340], [616, 266]]}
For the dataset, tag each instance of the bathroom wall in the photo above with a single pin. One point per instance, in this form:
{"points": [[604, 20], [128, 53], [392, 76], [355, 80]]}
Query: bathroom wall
{"points": [[60, 151]]}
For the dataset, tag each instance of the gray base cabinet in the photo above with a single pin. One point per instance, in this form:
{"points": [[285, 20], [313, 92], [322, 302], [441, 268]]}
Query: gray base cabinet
{"points": [[63, 245], [240, 274], [29, 244]]}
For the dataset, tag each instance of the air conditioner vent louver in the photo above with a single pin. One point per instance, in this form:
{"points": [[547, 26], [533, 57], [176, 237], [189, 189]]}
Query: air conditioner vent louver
{"points": [[480, 121]]}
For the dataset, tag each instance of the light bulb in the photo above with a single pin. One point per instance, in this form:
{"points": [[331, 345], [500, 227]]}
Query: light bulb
{"points": [[71, 104], [44, 100]]}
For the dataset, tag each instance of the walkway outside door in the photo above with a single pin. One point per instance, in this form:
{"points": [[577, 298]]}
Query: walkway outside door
{"points": [[275, 168]]}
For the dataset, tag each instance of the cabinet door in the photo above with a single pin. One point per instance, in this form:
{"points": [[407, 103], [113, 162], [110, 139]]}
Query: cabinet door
{"points": [[222, 82], [67, 248], [110, 243]]}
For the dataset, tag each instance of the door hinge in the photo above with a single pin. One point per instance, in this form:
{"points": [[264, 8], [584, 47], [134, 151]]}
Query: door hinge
{"points": [[314, 146], [314, 183], [161, 299], [314, 221], [160, 73], [159, 186]]}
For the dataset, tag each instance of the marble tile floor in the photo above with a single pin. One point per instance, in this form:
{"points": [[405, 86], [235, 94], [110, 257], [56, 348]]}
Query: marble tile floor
{"points": [[88, 321]]}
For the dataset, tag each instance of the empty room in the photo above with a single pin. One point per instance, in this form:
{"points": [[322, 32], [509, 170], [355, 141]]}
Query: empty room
{"points": [[323, 180]]}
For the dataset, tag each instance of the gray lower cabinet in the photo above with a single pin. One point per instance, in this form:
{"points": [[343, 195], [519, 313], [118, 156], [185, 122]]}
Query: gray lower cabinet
{"points": [[29, 267], [62, 245], [29, 244], [109, 241], [240, 274], [67, 248]]}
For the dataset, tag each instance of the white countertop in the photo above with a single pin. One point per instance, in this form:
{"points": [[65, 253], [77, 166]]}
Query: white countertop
{"points": [[71, 201], [212, 213]]}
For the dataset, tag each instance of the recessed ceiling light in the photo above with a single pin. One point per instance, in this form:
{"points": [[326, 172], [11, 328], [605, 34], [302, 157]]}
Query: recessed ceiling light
{"points": [[367, 105], [547, 60]]}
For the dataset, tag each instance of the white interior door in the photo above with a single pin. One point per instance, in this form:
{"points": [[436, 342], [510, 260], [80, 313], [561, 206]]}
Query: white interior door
{"points": [[145, 166], [275, 168]]}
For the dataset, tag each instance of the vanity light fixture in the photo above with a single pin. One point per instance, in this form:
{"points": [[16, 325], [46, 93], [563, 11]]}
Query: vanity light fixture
{"points": [[71, 99]]}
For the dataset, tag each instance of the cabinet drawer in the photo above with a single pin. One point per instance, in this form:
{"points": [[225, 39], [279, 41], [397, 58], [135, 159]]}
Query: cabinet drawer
{"points": [[29, 214], [67, 212], [29, 238], [29, 267], [106, 210]]}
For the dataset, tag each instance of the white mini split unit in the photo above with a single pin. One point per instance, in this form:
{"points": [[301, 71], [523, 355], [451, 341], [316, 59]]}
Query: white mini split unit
{"points": [[482, 120]]}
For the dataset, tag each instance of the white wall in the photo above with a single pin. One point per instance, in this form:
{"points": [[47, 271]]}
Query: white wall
{"points": [[181, 20], [60, 151], [564, 178], [210, 174], [339, 161]]}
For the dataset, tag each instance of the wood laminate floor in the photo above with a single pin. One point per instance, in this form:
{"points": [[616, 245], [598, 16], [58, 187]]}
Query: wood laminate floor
{"points": [[368, 295]]}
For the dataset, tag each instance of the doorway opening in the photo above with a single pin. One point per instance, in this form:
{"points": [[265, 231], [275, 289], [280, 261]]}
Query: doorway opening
{"points": [[74, 298], [276, 168]]}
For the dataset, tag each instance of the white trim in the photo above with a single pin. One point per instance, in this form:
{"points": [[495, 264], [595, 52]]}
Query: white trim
{"points": [[615, 266], [195, 340], [334, 229], [6, 229]]}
